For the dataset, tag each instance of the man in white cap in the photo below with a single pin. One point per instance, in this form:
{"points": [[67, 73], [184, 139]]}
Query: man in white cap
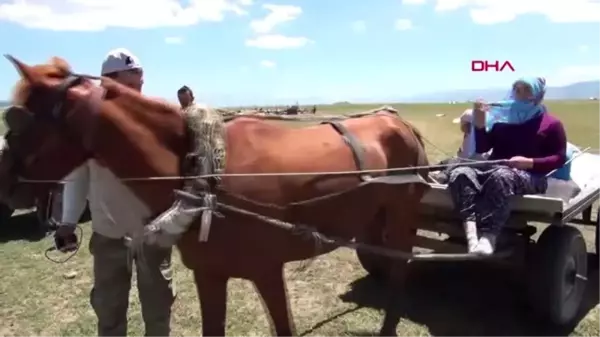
{"points": [[116, 214]]}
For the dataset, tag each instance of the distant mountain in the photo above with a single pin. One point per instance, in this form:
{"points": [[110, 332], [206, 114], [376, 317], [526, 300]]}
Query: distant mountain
{"points": [[575, 91]]}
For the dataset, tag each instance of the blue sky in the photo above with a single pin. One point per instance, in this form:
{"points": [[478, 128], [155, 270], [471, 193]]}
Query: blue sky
{"points": [[278, 51]]}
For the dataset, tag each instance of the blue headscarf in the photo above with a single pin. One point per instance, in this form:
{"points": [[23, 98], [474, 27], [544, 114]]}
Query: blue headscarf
{"points": [[515, 111]]}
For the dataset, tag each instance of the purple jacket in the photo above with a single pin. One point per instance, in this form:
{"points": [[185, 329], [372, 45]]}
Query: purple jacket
{"points": [[541, 138]]}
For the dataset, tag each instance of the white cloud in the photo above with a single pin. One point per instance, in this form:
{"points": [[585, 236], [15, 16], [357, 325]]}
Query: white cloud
{"points": [[413, 2], [278, 15], [267, 64], [583, 48], [277, 41], [174, 40], [266, 39], [496, 11], [403, 24], [97, 15], [575, 73], [359, 26]]}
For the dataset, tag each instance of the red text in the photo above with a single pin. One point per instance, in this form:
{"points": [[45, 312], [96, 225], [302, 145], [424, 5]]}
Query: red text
{"points": [[497, 66]]}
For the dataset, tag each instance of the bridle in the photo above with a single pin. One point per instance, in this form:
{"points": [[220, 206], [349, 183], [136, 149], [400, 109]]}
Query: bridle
{"points": [[20, 121]]}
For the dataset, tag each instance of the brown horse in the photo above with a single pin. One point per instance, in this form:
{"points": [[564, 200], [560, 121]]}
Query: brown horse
{"points": [[59, 120]]}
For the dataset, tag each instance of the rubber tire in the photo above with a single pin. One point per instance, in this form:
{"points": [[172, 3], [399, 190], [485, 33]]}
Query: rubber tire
{"points": [[377, 266], [5, 213], [555, 249]]}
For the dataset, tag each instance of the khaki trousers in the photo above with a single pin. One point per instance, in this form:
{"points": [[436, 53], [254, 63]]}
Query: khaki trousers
{"points": [[112, 281]]}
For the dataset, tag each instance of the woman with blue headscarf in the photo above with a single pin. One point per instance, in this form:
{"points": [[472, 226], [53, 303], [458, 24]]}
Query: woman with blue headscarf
{"points": [[533, 143]]}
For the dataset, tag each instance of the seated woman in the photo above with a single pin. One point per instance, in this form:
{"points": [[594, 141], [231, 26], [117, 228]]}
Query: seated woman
{"points": [[532, 142]]}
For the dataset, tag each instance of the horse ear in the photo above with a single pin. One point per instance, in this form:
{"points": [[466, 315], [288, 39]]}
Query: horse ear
{"points": [[24, 70]]}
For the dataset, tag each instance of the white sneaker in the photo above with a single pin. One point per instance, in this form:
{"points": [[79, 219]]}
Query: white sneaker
{"points": [[471, 235], [486, 245]]}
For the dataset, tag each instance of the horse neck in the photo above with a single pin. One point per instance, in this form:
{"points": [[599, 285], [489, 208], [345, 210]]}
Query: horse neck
{"points": [[141, 144]]}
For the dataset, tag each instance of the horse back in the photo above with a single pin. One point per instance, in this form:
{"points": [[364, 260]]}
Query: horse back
{"points": [[257, 146]]}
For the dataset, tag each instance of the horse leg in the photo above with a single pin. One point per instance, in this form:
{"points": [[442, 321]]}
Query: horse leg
{"points": [[400, 233], [271, 287], [212, 293]]}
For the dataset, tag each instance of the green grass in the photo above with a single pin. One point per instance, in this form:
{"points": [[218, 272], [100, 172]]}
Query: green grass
{"points": [[332, 297]]}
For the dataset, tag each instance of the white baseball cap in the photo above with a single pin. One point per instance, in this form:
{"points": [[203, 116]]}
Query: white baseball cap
{"points": [[119, 59], [466, 117]]}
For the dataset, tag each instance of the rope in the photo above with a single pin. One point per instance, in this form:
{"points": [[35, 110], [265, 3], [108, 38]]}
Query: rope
{"points": [[284, 174], [73, 252], [352, 244]]}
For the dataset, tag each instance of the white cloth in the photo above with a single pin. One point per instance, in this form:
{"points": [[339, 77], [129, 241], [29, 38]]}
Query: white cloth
{"points": [[120, 59], [467, 149], [585, 170], [116, 211]]}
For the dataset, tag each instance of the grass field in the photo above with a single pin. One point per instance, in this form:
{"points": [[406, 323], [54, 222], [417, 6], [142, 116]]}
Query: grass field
{"points": [[332, 297]]}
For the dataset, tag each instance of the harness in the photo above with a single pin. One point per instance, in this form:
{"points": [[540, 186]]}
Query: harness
{"points": [[358, 151], [206, 156]]}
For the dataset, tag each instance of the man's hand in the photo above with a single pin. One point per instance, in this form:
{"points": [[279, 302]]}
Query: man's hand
{"points": [[521, 163], [65, 238], [479, 111]]}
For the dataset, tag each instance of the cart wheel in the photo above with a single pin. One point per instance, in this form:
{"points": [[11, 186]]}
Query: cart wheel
{"points": [[377, 266], [5, 213], [559, 274]]}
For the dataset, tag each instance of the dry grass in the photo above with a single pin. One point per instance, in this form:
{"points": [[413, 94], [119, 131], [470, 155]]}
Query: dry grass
{"points": [[332, 297]]}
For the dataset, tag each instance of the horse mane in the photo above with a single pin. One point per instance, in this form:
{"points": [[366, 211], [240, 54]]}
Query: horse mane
{"points": [[135, 99], [58, 68], [164, 116]]}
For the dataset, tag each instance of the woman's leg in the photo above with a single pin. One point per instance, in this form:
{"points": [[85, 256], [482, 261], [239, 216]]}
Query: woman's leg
{"points": [[493, 205], [464, 187]]}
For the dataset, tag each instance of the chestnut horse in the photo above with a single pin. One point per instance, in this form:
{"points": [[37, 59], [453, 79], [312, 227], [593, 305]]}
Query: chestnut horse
{"points": [[59, 120]]}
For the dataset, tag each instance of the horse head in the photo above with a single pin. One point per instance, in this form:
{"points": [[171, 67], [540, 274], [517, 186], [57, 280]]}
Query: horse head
{"points": [[39, 145]]}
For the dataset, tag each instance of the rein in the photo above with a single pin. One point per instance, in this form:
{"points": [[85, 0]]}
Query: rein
{"points": [[284, 174], [73, 251]]}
